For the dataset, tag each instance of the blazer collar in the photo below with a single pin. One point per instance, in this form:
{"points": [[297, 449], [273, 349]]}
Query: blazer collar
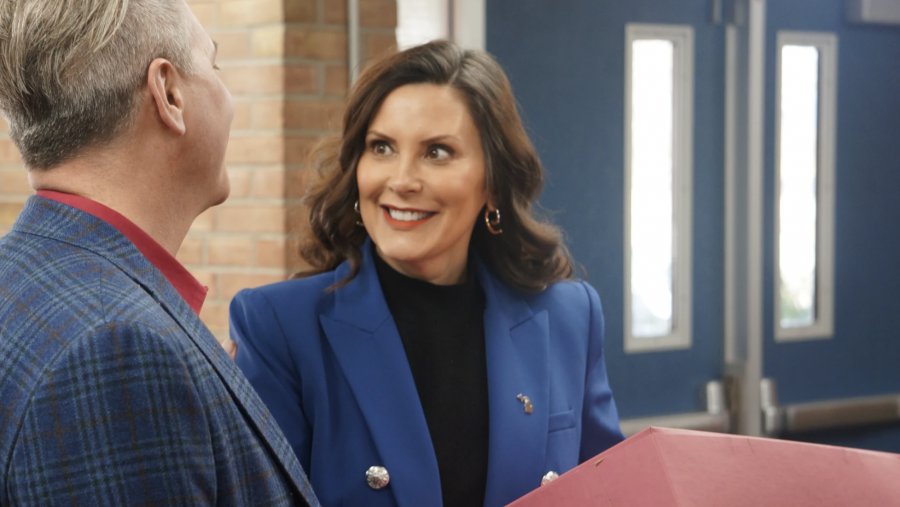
{"points": [[361, 303], [54, 220], [368, 347], [507, 302], [60, 222]]}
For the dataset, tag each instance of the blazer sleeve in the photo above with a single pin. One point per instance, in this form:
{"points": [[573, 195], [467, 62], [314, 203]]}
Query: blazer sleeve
{"points": [[116, 420], [600, 419], [265, 359]]}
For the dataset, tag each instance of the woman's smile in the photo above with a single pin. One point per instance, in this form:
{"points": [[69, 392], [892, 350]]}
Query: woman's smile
{"points": [[406, 218]]}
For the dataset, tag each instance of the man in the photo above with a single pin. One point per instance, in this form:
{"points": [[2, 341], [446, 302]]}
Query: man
{"points": [[112, 392]]}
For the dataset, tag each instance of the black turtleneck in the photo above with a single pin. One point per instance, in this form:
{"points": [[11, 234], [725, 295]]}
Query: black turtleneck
{"points": [[442, 329]]}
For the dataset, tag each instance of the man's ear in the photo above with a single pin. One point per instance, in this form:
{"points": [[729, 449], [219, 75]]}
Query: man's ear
{"points": [[167, 89]]}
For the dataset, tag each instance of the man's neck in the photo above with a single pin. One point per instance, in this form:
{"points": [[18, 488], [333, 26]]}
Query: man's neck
{"points": [[140, 194]]}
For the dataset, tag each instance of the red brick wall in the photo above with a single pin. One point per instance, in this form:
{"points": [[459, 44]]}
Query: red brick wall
{"points": [[285, 62]]}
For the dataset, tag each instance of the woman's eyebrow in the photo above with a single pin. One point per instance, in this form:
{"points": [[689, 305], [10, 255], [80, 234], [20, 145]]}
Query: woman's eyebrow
{"points": [[444, 137], [430, 140], [381, 136]]}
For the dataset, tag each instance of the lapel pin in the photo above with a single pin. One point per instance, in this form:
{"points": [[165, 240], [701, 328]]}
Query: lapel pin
{"points": [[529, 408]]}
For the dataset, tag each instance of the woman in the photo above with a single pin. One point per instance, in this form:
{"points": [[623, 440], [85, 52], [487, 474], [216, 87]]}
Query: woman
{"points": [[438, 353]]}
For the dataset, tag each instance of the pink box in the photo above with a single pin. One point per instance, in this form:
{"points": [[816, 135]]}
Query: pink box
{"points": [[662, 467]]}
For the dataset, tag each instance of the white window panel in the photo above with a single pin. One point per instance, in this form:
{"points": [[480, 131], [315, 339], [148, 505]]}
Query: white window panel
{"points": [[421, 21], [804, 180], [658, 178], [468, 28]]}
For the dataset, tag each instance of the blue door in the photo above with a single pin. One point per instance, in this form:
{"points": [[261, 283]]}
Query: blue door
{"points": [[854, 371], [567, 65]]}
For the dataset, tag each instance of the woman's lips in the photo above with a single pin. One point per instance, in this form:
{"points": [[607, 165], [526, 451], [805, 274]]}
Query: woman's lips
{"points": [[406, 219]]}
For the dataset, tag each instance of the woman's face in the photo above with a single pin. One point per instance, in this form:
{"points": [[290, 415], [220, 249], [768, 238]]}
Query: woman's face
{"points": [[422, 182]]}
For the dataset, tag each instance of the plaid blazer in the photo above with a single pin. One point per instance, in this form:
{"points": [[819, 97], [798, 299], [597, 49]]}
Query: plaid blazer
{"points": [[112, 391]]}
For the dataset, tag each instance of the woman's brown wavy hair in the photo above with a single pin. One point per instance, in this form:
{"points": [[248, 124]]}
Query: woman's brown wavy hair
{"points": [[528, 256]]}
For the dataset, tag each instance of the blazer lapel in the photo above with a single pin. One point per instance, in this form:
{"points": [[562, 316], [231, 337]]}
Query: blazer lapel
{"points": [[81, 229], [517, 343], [242, 392], [368, 348]]}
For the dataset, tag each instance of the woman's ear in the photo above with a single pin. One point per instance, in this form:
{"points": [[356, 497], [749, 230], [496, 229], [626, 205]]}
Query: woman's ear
{"points": [[488, 198], [167, 89]]}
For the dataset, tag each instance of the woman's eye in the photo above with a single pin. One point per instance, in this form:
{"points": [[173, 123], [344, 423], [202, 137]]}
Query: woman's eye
{"points": [[381, 148], [439, 153]]}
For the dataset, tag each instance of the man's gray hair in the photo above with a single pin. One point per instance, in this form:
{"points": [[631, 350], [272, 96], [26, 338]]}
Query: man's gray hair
{"points": [[71, 71]]}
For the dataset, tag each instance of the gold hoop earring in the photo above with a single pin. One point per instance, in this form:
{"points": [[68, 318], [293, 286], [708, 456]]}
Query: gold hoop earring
{"points": [[359, 221], [492, 225]]}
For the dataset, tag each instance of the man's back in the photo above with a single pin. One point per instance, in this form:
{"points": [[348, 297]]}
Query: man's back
{"points": [[112, 392]]}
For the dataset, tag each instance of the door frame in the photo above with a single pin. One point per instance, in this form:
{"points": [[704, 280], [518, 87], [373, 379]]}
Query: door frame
{"points": [[744, 209]]}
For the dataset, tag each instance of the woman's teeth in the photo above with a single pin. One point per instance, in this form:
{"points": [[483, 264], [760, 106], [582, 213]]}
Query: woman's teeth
{"points": [[408, 216]]}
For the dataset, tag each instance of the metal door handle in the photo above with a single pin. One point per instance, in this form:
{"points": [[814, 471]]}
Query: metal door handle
{"points": [[821, 415]]}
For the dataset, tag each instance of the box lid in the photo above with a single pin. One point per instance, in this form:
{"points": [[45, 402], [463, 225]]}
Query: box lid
{"points": [[663, 467]]}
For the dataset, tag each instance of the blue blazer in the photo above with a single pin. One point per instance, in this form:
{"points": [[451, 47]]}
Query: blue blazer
{"points": [[112, 392], [333, 371]]}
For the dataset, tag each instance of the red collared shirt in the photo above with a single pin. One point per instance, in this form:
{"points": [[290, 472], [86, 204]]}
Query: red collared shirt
{"points": [[193, 292]]}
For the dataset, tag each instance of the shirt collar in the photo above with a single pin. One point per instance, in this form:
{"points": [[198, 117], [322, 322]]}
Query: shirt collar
{"points": [[193, 292]]}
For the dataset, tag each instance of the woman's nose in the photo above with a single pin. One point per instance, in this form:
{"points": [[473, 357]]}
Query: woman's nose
{"points": [[405, 176]]}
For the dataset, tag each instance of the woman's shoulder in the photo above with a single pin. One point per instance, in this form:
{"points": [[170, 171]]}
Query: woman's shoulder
{"points": [[567, 293], [572, 305], [294, 296], [573, 308]]}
